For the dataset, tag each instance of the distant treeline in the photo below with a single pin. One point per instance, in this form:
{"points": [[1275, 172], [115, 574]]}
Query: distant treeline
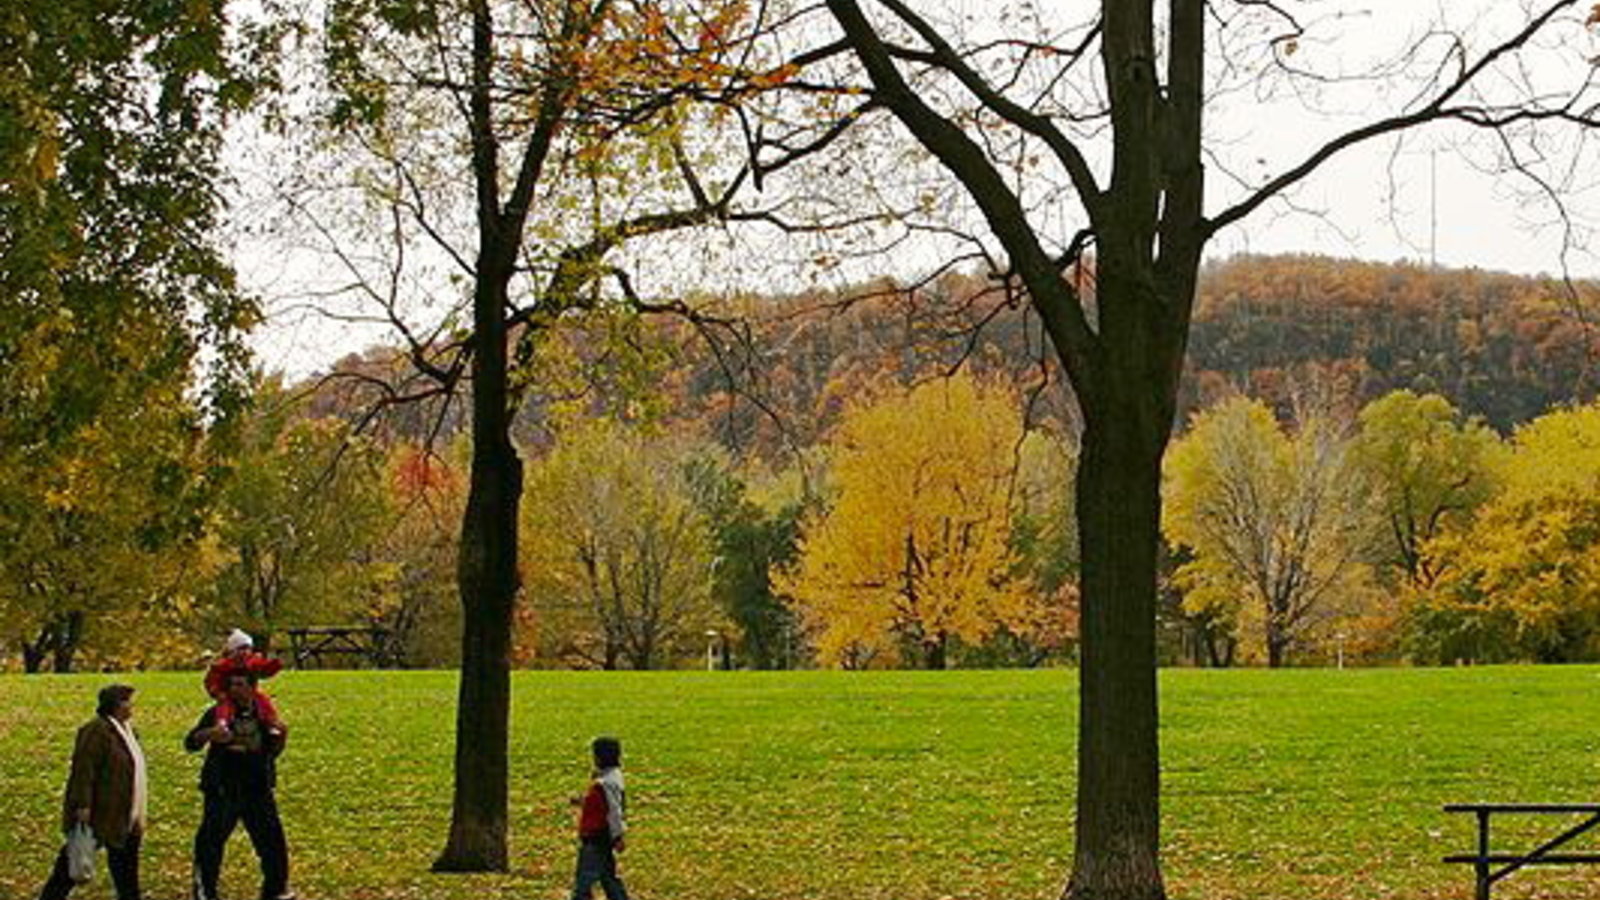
{"points": [[325, 501]]}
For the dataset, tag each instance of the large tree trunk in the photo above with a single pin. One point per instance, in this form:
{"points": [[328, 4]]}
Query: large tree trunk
{"points": [[69, 633], [1124, 359], [33, 655], [1150, 234], [1118, 815], [487, 575], [1277, 647]]}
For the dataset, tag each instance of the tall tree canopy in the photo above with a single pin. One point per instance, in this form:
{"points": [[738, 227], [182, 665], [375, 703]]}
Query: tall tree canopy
{"points": [[501, 155], [113, 290]]}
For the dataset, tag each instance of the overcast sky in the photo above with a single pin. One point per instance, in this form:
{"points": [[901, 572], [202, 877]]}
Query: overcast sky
{"points": [[1436, 195]]}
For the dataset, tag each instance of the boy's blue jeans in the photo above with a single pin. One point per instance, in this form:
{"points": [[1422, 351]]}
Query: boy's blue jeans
{"points": [[597, 862]]}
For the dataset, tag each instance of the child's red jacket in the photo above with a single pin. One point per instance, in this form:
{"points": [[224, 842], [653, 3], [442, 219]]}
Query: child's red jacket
{"points": [[255, 664]]}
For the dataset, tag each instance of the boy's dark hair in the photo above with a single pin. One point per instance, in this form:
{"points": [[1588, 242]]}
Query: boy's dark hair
{"points": [[110, 696], [607, 752]]}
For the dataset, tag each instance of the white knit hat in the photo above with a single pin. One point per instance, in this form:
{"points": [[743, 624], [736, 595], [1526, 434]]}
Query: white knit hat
{"points": [[238, 640]]}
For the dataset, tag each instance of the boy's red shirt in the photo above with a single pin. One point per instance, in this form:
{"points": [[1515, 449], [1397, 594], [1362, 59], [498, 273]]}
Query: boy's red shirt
{"points": [[592, 820]]}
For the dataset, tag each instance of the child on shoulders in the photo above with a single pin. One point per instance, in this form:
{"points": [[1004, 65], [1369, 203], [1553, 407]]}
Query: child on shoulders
{"points": [[239, 656]]}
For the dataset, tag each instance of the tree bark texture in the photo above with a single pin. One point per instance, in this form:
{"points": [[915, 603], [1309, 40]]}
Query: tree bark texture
{"points": [[487, 576], [1118, 811]]}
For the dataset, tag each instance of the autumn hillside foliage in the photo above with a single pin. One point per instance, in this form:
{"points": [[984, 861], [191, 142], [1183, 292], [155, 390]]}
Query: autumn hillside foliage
{"points": [[1504, 348], [1501, 347]]}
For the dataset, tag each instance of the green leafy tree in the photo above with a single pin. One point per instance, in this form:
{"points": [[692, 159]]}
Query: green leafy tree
{"points": [[1427, 469], [111, 282], [753, 537], [100, 549], [301, 518]]}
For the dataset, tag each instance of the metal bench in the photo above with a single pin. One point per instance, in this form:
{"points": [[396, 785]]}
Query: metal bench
{"points": [[1485, 861]]}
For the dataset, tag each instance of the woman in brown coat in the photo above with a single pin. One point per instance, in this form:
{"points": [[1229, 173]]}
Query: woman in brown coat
{"points": [[107, 791]]}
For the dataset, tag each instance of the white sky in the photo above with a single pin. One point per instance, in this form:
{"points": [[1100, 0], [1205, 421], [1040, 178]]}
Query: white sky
{"points": [[1376, 202]]}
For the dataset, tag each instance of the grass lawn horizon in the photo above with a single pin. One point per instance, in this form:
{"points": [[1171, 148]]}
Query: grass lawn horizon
{"points": [[1277, 785]]}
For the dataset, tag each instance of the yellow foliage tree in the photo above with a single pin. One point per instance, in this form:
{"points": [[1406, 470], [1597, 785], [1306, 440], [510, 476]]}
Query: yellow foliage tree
{"points": [[916, 548], [1524, 577]]}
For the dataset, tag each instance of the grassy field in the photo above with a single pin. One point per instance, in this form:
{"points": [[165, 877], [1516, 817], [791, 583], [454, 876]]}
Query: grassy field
{"points": [[838, 786]]}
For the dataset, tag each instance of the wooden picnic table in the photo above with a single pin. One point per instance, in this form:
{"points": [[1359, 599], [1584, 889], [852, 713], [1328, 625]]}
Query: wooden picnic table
{"points": [[319, 643]]}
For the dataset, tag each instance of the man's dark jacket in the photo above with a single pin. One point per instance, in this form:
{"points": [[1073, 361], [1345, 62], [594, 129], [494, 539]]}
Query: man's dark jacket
{"points": [[243, 767]]}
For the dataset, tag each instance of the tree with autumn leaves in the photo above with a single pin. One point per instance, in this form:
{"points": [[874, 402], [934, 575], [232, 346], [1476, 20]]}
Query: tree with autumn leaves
{"points": [[524, 144], [120, 322], [1429, 469], [1144, 214], [1275, 523], [620, 557], [1419, 536], [915, 552], [1089, 143], [1521, 579], [297, 522]]}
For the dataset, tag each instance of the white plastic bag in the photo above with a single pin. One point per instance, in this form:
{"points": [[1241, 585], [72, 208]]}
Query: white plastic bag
{"points": [[80, 853]]}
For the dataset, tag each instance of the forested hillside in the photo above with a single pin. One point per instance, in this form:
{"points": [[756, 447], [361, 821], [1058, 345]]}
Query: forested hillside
{"points": [[755, 384], [1503, 347], [769, 375], [339, 499]]}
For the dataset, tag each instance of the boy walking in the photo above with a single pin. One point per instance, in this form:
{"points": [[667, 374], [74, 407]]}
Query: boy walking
{"points": [[601, 824]]}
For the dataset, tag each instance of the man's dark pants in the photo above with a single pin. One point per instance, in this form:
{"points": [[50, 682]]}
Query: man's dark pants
{"points": [[122, 861], [223, 812]]}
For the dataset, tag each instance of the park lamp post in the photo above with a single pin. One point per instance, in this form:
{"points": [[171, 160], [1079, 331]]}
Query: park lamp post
{"points": [[711, 649]]}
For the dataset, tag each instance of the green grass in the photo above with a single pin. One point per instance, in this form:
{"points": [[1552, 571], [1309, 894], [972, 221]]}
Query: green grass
{"points": [[838, 786]]}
